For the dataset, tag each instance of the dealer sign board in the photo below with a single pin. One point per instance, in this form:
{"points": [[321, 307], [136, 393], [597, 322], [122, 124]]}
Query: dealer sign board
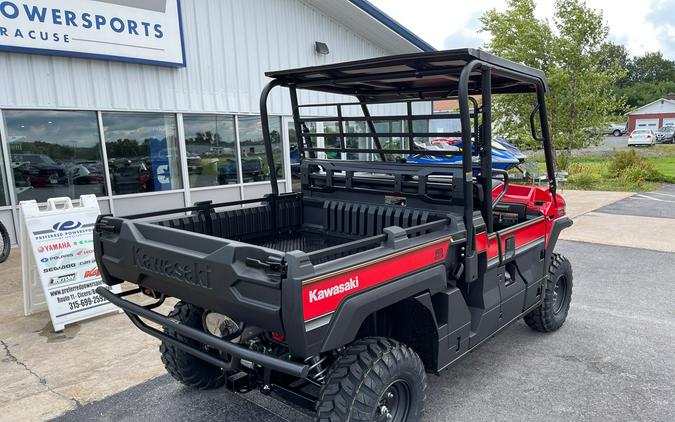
{"points": [[143, 31], [58, 254]]}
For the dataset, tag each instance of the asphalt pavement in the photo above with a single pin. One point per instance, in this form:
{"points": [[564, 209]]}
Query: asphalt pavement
{"points": [[609, 143], [613, 360], [659, 203]]}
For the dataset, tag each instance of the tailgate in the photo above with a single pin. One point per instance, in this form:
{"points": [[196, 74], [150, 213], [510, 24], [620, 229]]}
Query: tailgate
{"points": [[203, 270]]}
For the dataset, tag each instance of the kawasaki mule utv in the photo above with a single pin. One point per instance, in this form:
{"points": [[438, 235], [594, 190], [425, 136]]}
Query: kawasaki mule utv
{"points": [[341, 297]]}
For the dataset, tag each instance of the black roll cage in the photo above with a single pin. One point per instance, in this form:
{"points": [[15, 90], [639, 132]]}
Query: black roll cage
{"points": [[475, 76]]}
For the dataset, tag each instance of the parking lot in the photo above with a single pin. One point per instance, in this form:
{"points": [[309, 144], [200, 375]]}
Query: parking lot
{"points": [[613, 359]]}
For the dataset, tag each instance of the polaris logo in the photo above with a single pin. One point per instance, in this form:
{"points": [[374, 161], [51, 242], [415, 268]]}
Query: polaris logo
{"points": [[194, 273], [66, 226], [316, 295]]}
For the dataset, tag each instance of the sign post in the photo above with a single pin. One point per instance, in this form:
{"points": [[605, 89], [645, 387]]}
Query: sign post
{"points": [[57, 253]]}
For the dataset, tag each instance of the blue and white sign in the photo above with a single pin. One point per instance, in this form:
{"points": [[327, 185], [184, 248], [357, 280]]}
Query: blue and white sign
{"points": [[143, 31]]}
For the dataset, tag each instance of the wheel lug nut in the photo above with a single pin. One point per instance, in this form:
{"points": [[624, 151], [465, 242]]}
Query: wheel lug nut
{"points": [[390, 395]]}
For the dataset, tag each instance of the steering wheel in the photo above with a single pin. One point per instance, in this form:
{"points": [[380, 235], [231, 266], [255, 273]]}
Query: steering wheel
{"points": [[505, 178]]}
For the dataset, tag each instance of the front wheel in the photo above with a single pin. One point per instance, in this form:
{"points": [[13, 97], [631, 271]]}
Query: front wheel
{"points": [[553, 311], [617, 132], [376, 379]]}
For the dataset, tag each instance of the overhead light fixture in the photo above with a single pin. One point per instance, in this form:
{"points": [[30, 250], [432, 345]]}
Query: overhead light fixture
{"points": [[321, 47]]}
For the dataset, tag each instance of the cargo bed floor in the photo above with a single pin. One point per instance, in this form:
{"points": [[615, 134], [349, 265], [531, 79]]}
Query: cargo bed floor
{"points": [[303, 241]]}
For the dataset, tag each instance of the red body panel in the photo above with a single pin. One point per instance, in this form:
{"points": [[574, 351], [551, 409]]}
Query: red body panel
{"points": [[322, 295]]}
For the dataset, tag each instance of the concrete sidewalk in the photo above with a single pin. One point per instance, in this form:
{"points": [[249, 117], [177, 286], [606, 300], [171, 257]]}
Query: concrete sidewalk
{"points": [[638, 220], [43, 375]]}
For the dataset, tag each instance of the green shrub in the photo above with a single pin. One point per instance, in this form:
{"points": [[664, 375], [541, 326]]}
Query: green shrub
{"points": [[622, 160], [643, 172], [563, 161], [584, 180]]}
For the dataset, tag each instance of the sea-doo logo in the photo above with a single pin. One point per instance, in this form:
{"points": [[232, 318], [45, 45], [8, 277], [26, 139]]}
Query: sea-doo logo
{"points": [[66, 226], [316, 295], [193, 273], [62, 267]]}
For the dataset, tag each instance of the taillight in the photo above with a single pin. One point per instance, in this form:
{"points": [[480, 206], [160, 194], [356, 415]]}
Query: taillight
{"points": [[278, 337], [561, 211], [149, 292]]}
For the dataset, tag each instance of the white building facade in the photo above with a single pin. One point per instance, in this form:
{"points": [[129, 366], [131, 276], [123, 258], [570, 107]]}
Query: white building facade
{"points": [[140, 126]]}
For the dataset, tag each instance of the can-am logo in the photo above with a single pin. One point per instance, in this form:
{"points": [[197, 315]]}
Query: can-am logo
{"points": [[316, 295], [66, 226], [53, 247], [193, 273], [94, 272], [62, 279]]}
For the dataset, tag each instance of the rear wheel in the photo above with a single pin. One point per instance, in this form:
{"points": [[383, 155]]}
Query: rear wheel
{"points": [[376, 379], [617, 132], [183, 366], [5, 243], [553, 311]]}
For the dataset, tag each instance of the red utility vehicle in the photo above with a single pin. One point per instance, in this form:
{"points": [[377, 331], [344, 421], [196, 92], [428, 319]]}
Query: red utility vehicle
{"points": [[343, 296]]}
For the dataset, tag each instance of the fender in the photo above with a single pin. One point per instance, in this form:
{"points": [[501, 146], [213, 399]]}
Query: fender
{"points": [[353, 311], [558, 225]]}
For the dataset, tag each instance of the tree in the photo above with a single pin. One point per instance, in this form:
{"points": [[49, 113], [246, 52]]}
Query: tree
{"points": [[641, 93], [613, 56], [580, 87], [519, 36], [582, 94], [651, 67]]}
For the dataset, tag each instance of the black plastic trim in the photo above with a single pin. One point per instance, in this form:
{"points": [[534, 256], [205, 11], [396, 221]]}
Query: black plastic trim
{"points": [[135, 311], [559, 225], [348, 318]]}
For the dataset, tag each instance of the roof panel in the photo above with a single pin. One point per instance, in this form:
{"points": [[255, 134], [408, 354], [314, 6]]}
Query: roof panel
{"points": [[396, 76]]}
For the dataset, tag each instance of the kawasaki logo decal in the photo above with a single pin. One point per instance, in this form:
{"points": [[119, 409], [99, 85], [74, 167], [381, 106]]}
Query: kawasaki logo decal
{"points": [[320, 294], [194, 273]]}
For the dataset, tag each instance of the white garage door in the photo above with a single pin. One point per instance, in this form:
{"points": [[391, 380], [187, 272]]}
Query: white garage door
{"points": [[652, 124], [669, 122]]}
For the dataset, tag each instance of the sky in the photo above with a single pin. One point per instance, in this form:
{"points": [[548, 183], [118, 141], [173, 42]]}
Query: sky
{"points": [[642, 26]]}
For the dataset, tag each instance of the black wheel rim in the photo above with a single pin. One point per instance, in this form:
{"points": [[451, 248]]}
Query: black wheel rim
{"points": [[394, 404], [559, 294]]}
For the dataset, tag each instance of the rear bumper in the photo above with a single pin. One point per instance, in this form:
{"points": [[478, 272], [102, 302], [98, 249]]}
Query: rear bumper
{"points": [[640, 142], [237, 352]]}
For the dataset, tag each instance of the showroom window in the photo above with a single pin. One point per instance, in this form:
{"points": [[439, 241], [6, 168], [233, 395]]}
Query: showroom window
{"points": [[142, 152], [210, 141], [54, 154], [254, 166]]}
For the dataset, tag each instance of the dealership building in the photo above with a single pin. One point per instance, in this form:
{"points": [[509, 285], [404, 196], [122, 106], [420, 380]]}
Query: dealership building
{"points": [[153, 104]]}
